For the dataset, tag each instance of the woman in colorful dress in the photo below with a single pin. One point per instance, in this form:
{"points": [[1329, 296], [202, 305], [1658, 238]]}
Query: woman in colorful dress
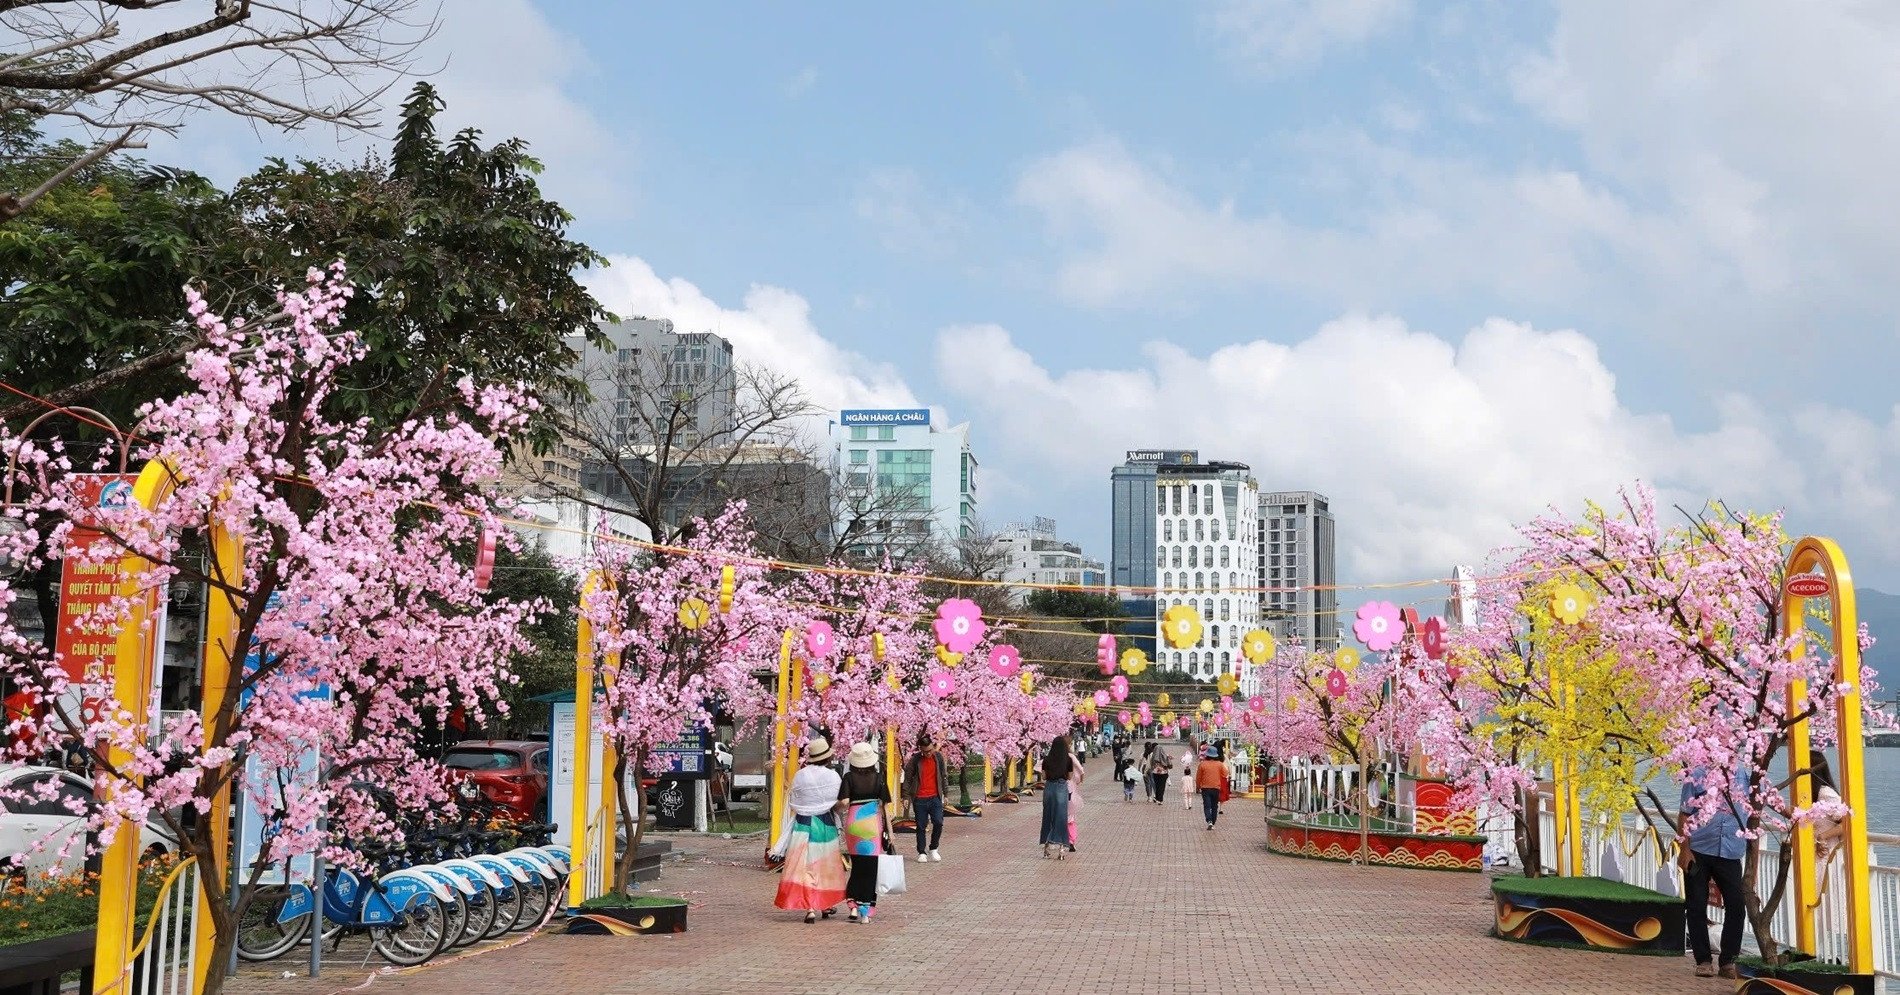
{"points": [[866, 838], [813, 877]]}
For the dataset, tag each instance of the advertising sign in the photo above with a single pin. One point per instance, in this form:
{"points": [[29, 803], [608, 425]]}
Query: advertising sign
{"points": [[1184, 457], [688, 757], [84, 587], [885, 416]]}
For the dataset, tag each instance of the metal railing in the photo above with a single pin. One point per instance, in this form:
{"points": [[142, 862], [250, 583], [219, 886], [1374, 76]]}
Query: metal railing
{"points": [[1631, 850], [162, 962]]}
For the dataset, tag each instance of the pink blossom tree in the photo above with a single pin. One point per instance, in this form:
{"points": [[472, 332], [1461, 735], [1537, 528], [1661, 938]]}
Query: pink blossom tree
{"points": [[692, 627], [874, 621], [352, 587]]}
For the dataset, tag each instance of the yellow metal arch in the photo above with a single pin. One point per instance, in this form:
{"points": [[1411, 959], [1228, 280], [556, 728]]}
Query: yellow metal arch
{"points": [[1810, 554]]}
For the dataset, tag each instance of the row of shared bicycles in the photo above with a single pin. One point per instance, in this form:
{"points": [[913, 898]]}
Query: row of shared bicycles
{"points": [[442, 888]]}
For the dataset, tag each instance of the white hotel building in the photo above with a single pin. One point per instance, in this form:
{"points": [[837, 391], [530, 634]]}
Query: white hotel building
{"points": [[921, 478], [1207, 554]]}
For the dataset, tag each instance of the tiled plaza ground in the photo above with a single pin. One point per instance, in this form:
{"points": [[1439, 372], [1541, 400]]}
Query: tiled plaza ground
{"points": [[1153, 904]]}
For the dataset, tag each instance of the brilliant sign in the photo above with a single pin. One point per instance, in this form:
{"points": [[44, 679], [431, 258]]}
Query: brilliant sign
{"points": [[885, 416]]}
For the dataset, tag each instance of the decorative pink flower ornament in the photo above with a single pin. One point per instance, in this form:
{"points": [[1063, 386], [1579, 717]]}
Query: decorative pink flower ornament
{"points": [[1125, 716], [820, 642], [1005, 660], [1336, 682], [1145, 713], [943, 683], [1377, 626], [1101, 698], [1256, 704], [1118, 687], [1105, 653], [1431, 636], [959, 625]]}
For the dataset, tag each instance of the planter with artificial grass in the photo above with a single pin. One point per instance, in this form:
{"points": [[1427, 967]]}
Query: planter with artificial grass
{"points": [[628, 915], [1587, 912], [1801, 977]]}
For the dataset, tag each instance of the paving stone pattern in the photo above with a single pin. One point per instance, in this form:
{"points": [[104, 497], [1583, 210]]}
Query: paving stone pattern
{"points": [[1152, 904]]}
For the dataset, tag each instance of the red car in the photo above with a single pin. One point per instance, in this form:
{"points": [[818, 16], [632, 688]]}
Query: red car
{"points": [[511, 773]]}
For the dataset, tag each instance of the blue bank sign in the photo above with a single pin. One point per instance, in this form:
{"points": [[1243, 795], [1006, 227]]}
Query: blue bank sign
{"points": [[885, 416]]}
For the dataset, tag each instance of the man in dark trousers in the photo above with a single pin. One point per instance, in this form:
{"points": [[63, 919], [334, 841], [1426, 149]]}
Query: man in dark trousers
{"points": [[1713, 857], [926, 777]]}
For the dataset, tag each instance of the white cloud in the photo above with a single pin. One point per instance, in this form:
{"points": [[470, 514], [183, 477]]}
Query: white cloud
{"points": [[772, 328], [1430, 449], [800, 83], [1276, 35], [906, 216]]}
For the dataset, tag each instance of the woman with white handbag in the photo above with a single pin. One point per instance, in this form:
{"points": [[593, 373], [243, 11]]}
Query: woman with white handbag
{"points": [[866, 830]]}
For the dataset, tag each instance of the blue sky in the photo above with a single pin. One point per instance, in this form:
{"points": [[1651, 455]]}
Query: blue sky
{"points": [[1451, 263]]}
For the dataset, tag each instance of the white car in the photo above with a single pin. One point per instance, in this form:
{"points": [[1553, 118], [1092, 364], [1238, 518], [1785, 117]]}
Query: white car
{"points": [[26, 819]]}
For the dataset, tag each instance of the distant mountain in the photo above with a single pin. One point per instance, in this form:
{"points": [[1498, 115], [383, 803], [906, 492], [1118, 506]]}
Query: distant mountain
{"points": [[1881, 612]]}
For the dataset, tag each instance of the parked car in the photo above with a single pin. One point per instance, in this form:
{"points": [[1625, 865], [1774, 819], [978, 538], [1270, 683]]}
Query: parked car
{"points": [[26, 819], [511, 773]]}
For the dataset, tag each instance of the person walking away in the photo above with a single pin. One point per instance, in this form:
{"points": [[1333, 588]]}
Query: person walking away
{"points": [[925, 777], [1057, 765], [1714, 854], [1187, 776], [1210, 775], [1125, 773], [1158, 765], [813, 878], [866, 838]]}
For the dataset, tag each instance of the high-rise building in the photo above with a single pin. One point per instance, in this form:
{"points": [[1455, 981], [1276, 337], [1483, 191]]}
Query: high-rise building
{"points": [[655, 386], [1131, 553], [1037, 556], [1296, 568], [1205, 553], [921, 478]]}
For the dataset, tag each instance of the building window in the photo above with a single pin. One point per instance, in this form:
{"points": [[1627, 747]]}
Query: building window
{"points": [[1216, 583], [859, 433], [860, 456], [1177, 557], [886, 433], [1194, 558], [1167, 531]]}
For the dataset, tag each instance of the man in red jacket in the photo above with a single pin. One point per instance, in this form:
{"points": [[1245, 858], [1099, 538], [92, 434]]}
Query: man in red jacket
{"points": [[925, 779]]}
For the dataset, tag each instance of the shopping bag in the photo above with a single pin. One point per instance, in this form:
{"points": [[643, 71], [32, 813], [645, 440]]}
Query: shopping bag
{"points": [[1072, 836], [890, 874]]}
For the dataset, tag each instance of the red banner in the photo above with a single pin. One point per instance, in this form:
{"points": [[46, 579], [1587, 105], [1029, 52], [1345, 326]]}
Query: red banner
{"points": [[84, 587]]}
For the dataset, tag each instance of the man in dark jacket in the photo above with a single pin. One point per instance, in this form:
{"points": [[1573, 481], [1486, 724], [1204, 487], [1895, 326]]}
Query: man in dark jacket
{"points": [[926, 777]]}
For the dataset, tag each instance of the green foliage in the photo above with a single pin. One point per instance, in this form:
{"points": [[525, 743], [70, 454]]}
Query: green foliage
{"points": [[1086, 607], [616, 901], [528, 575], [46, 905]]}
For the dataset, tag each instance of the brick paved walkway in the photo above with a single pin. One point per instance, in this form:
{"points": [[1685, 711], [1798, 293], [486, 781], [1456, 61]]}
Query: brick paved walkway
{"points": [[1153, 904]]}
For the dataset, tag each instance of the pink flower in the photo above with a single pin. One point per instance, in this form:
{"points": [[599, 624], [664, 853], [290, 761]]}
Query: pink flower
{"points": [[1256, 704], [1118, 687], [1146, 714], [1125, 716], [943, 683], [1005, 660], [1378, 626], [1431, 636], [819, 640], [959, 624], [1105, 653], [1101, 698], [1336, 682]]}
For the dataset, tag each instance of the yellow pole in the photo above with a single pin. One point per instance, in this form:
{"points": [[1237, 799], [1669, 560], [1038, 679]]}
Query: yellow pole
{"points": [[219, 655], [890, 744], [1560, 809], [583, 746], [609, 813], [131, 692], [1824, 553], [989, 778], [781, 767]]}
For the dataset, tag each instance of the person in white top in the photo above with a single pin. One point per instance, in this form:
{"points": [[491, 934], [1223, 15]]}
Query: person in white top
{"points": [[1187, 776], [814, 875], [1828, 828]]}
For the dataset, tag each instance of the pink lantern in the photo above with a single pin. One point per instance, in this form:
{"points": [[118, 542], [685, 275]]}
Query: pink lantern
{"points": [[959, 625], [1336, 682], [1005, 660], [942, 683], [820, 642], [1105, 653], [1118, 687]]}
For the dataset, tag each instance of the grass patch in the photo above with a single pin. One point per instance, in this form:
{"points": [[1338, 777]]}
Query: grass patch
{"points": [[612, 901], [1810, 966], [1598, 889]]}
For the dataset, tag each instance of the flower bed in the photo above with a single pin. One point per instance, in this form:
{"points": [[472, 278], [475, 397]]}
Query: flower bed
{"points": [[1385, 847], [1588, 912]]}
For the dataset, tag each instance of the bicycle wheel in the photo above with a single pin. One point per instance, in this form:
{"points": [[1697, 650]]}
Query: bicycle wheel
{"points": [[481, 918], [534, 904], [418, 934], [455, 919], [507, 910], [259, 935]]}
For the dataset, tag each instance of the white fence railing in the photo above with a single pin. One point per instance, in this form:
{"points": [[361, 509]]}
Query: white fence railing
{"points": [[164, 965]]}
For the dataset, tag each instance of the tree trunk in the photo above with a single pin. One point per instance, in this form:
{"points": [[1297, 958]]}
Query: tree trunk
{"points": [[1529, 833], [1760, 919], [631, 814], [1365, 812]]}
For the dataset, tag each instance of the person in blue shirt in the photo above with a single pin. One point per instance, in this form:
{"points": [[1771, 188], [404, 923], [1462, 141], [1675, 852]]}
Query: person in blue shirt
{"points": [[1714, 854]]}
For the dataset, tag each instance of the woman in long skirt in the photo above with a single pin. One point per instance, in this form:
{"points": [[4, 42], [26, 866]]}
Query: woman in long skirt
{"points": [[813, 877], [866, 836], [1057, 765]]}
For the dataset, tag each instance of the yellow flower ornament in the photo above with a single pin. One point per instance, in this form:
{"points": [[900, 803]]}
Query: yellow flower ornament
{"points": [[1570, 603], [1207, 706], [1257, 646], [1182, 626], [1027, 682], [1346, 659], [1164, 699], [694, 613], [947, 658], [1167, 718], [1134, 662], [1227, 684]]}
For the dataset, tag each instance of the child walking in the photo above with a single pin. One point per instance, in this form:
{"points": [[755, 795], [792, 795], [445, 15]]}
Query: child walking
{"points": [[1126, 774]]}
